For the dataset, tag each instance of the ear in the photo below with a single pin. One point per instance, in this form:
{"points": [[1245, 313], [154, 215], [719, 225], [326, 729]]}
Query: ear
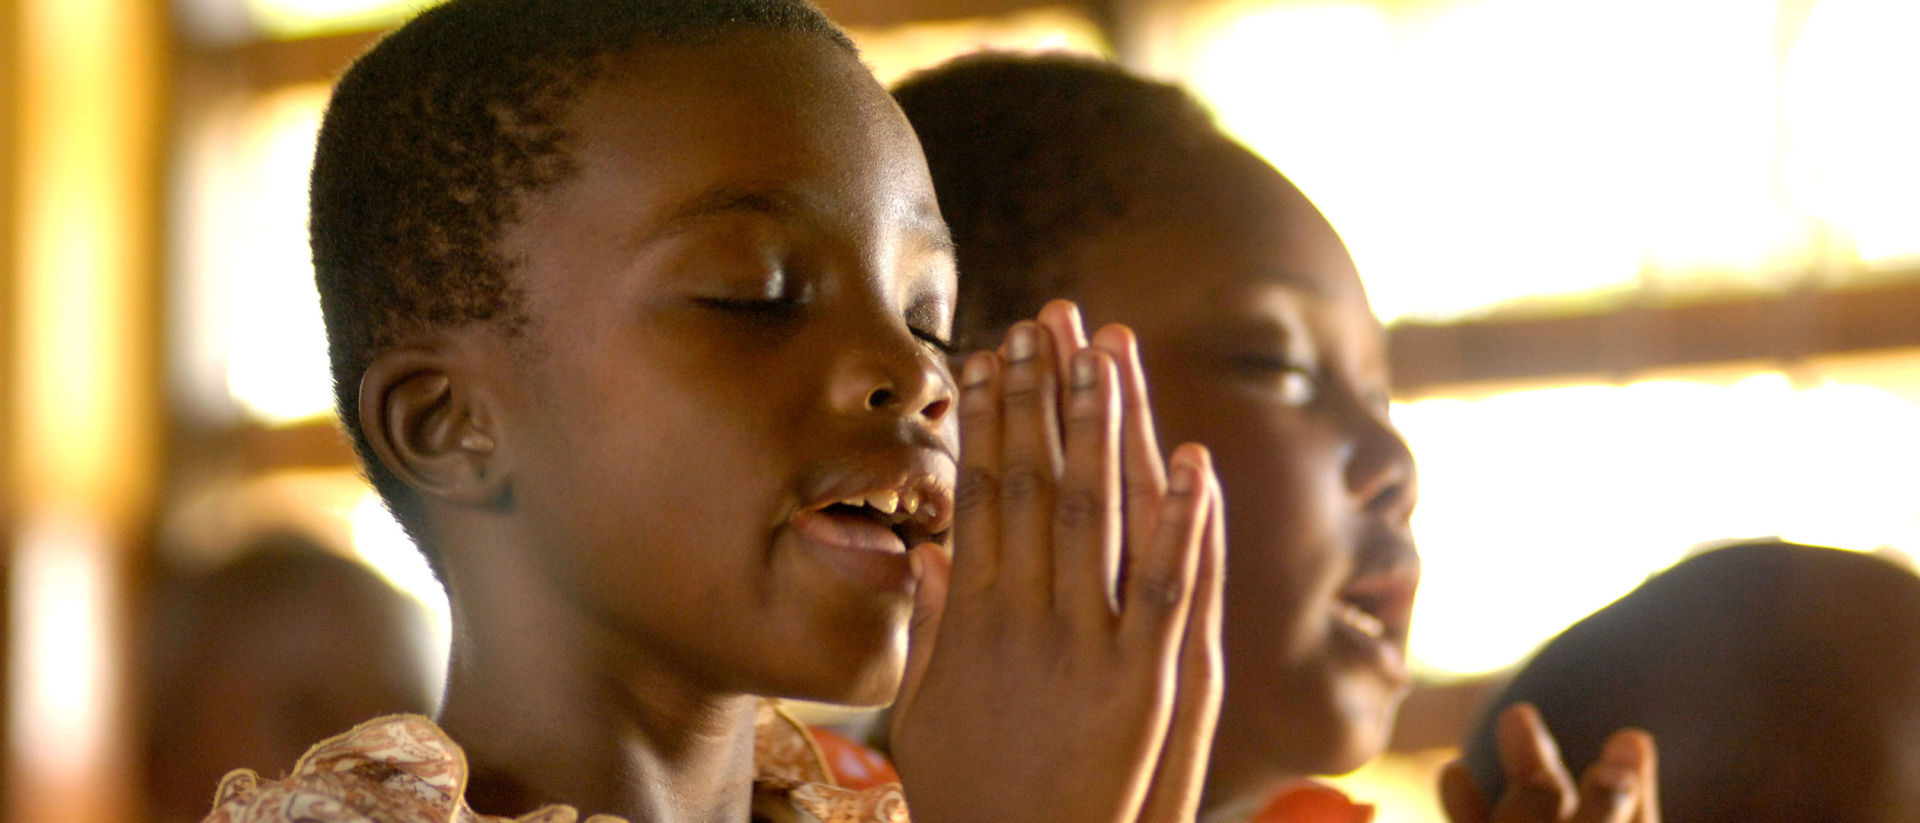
{"points": [[432, 425]]}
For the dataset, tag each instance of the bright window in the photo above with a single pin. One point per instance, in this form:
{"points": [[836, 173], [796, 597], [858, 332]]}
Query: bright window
{"points": [[1478, 152], [1540, 505]]}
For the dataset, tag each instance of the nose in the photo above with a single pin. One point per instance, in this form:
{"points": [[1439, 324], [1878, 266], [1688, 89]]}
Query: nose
{"points": [[1380, 472], [904, 380]]}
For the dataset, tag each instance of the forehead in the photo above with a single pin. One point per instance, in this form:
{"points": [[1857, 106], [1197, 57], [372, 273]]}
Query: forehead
{"points": [[790, 124], [1223, 236]]}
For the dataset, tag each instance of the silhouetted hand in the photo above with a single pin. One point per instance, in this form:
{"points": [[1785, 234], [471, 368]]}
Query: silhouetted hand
{"points": [[1622, 787]]}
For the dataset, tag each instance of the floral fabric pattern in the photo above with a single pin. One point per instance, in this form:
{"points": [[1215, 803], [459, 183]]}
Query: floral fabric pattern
{"points": [[404, 769]]}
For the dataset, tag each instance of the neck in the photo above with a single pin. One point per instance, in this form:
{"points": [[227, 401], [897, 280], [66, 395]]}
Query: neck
{"points": [[550, 709], [1237, 777]]}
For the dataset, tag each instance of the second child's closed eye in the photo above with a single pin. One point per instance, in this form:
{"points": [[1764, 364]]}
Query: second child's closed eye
{"points": [[1293, 383]]}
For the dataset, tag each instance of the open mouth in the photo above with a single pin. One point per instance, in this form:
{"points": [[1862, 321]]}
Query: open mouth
{"points": [[1359, 619], [894, 518]]}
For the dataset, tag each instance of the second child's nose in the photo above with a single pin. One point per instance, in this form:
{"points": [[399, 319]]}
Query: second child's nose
{"points": [[1381, 473]]}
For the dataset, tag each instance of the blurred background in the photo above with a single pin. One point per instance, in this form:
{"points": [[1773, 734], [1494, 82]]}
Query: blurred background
{"points": [[1652, 270]]}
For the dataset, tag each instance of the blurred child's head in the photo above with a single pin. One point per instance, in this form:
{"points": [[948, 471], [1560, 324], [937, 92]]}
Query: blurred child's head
{"points": [[254, 660], [627, 297], [1782, 681], [1065, 177]]}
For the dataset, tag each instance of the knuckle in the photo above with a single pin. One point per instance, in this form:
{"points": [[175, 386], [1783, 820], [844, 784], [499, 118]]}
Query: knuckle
{"points": [[1079, 507], [974, 489], [1021, 393], [1157, 592], [1025, 483]]}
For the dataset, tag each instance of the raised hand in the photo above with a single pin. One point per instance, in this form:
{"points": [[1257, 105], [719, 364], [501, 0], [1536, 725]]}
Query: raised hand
{"points": [[1622, 787], [1066, 667]]}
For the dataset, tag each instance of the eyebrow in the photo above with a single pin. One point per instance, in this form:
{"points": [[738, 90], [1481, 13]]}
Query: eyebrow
{"points": [[781, 204], [726, 199], [1292, 279]]}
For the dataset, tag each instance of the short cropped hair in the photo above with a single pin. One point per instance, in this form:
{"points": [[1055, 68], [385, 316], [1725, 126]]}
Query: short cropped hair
{"points": [[430, 143], [1030, 154]]}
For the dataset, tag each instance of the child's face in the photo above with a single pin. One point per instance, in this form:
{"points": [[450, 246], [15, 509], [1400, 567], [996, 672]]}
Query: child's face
{"points": [[730, 305], [1258, 342]]}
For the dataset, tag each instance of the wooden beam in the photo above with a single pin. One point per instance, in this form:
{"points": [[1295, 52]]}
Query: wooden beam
{"points": [[876, 13], [1634, 339], [267, 64], [10, 158]]}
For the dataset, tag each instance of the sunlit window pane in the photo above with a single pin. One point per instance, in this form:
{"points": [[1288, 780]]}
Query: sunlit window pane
{"points": [[1478, 152], [1852, 125], [1539, 506], [304, 18], [894, 51], [245, 276]]}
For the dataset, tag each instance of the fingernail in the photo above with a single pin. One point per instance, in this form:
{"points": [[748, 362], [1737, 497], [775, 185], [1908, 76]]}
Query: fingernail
{"points": [[977, 370], [1086, 373], [1020, 343], [1180, 480], [1617, 781]]}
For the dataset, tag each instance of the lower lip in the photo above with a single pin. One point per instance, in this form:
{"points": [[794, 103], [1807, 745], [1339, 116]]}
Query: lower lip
{"points": [[858, 548], [1382, 654]]}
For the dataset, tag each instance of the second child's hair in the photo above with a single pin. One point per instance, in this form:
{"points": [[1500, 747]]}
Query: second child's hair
{"points": [[1030, 153], [430, 143]]}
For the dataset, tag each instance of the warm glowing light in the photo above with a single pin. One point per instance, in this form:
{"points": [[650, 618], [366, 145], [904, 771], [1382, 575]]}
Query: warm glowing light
{"points": [[379, 540], [247, 277], [1476, 152], [62, 668], [1849, 87], [302, 18], [1538, 507], [895, 51]]}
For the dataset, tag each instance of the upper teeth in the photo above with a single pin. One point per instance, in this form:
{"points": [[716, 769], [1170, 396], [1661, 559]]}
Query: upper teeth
{"points": [[900, 505], [1366, 623]]}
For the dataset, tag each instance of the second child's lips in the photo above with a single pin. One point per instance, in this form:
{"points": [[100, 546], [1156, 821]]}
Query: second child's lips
{"points": [[848, 531]]}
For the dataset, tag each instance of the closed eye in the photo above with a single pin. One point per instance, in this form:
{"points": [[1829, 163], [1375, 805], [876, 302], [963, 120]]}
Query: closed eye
{"points": [[1295, 384], [938, 343], [772, 314], [750, 305]]}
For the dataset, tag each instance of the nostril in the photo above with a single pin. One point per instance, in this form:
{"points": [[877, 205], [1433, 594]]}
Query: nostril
{"points": [[937, 409], [879, 398]]}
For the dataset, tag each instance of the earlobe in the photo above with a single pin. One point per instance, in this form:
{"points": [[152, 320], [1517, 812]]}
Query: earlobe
{"points": [[431, 426]]}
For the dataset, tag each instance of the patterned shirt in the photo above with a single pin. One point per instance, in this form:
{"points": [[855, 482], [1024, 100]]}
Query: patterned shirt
{"points": [[404, 769]]}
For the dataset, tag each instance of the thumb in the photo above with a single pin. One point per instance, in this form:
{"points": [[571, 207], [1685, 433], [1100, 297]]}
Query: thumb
{"points": [[934, 570]]}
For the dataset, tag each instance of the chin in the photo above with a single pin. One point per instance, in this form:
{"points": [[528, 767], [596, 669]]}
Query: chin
{"points": [[872, 682], [1368, 730]]}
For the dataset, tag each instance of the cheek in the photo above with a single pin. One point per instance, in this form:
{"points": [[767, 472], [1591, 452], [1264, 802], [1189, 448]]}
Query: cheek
{"points": [[650, 475], [1286, 523]]}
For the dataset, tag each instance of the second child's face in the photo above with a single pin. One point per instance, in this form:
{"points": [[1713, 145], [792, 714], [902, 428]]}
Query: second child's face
{"points": [[727, 371], [1258, 341]]}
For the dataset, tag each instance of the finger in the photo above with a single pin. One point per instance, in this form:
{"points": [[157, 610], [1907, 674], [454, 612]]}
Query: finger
{"points": [[1649, 811], [1181, 776], [1030, 460], [1143, 475], [1607, 795], [1538, 787], [1086, 523], [1460, 797], [1061, 319], [976, 493], [1627, 768], [1614, 789], [929, 603], [1159, 585]]}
